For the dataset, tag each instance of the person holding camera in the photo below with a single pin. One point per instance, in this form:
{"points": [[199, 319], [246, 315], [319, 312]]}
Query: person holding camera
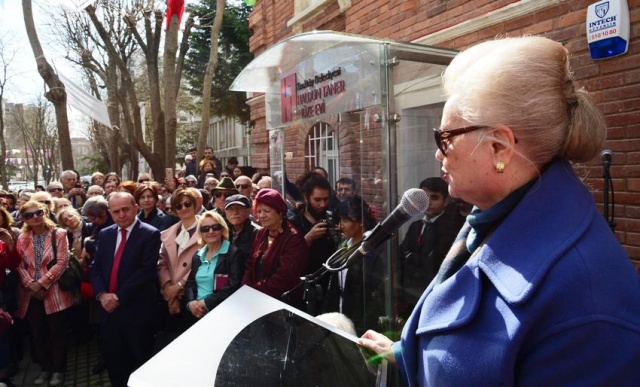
{"points": [[319, 229]]}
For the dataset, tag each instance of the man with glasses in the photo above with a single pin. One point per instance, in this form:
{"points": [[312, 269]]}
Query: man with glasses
{"points": [[223, 190], [243, 230], [143, 178], [191, 181], [55, 189], [244, 185]]}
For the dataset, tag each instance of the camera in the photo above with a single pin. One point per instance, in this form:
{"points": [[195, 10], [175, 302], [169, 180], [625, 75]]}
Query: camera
{"points": [[332, 233]]}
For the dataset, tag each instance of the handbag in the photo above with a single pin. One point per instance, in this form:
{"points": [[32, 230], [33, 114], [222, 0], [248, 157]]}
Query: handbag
{"points": [[72, 276]]}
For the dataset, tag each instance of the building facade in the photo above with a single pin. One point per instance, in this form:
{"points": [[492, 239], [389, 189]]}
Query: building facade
{"points": [[352, 147]]}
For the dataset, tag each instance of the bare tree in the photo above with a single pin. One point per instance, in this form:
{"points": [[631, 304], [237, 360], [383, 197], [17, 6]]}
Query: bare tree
{"points": [[36, 124], [56, 94], [208, 77], [6, 57]]}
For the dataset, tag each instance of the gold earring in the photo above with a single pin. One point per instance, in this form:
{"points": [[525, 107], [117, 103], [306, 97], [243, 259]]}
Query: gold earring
{"points": [[500, 166]]}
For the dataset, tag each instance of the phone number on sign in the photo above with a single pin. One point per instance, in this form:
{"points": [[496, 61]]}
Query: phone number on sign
{"points": [[603, 34]]}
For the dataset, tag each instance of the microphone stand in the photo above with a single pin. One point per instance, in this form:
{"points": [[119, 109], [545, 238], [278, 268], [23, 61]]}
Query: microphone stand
{"points": [[608, 185], [312, 291]]}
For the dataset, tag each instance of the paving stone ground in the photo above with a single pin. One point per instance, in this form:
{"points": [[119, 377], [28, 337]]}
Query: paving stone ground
{"points": [[80, 359]]}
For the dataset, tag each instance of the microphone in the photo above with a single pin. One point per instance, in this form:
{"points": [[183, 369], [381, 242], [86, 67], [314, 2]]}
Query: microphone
{"points": [[415, 201], [606, 157]]}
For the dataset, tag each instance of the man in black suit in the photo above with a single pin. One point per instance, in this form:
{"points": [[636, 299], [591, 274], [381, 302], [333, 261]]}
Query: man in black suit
{"points": [[428, 240], [124, 280]]}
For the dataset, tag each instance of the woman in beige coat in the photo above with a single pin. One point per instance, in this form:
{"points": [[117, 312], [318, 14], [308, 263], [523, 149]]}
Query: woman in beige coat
{"points": [[179, 243]]}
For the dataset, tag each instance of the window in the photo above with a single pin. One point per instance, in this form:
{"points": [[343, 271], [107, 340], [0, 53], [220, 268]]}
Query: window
{"points": [[322, 150]]}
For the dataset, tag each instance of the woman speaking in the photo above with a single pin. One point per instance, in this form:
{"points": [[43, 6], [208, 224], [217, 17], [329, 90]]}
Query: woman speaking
{"points": [[536, 290]]}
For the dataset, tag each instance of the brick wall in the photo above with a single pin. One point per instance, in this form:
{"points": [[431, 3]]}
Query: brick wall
{"points": [[615, 83]]}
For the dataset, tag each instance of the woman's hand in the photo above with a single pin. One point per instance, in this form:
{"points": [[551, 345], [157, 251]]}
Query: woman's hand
{"points": [[174, 306], [35, 287], [378, 344], [197, 308], [171, 292]]}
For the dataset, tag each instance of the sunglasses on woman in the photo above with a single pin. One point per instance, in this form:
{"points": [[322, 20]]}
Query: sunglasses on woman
{"points": [[30, 215], [443, 137], [213, 227], [186, 204]]}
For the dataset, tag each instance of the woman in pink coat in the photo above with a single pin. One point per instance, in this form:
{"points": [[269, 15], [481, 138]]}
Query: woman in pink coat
{"points": [[41, 301], [179, 243]]}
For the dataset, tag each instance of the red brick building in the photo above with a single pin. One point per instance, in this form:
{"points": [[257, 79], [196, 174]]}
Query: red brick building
{"points": [[358, 147]]}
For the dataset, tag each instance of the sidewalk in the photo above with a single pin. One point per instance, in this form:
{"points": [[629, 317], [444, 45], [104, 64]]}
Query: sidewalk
{"points": [[80, 360]]}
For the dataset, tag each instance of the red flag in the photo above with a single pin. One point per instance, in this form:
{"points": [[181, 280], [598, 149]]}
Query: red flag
{"points": [[176, 7]]}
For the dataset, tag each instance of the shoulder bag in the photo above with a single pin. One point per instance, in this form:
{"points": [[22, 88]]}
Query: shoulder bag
{"points": [[71, 277]]}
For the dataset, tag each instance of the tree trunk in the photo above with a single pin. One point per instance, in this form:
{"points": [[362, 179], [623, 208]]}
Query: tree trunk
{"points": [[208, 78], [56, 94], [152, 158], [3, 146], [170, 87]]}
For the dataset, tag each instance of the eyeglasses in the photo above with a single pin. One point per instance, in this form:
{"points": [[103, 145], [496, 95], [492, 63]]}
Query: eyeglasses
{"points": [[30, 215], [186, 204], [56, 189], [221, 194], [143, 180], [213, 227], [443, 137], [47, 202], [243, 186]]}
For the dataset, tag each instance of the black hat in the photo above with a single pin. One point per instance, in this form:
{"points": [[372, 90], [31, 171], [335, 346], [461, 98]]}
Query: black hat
{"points": [[238, 199]]}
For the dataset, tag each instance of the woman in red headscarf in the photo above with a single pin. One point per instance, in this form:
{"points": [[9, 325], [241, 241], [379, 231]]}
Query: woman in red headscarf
{"points": [[279, 255]]}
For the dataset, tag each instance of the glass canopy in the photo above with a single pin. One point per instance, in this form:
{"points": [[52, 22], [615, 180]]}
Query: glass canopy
{"points": [[267, 69]]}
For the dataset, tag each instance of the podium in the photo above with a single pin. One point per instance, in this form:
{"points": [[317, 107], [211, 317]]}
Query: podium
{"points": [[252, 339]]}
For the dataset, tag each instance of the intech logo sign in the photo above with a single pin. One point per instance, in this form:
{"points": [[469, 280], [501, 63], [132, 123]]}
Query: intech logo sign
{"points": [[602, 9], [608, 28]]}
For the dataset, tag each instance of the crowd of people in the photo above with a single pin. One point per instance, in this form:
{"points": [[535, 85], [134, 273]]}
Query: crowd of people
{"points": [[157, 256], [528, 287]]}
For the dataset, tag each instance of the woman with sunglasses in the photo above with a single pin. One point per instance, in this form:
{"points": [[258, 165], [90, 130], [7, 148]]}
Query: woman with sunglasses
{"points": [[179, 243], [536, 290], [146, 195], [216, 269], [41, 301]]}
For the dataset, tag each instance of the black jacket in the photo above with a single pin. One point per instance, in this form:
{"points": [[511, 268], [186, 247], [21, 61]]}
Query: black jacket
{"points": [[230, 264], [421, 257], [245, 238]]}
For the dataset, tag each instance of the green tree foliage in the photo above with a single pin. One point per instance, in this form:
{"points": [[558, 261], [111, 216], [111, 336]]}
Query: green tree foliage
{"points": [[234, 55]]}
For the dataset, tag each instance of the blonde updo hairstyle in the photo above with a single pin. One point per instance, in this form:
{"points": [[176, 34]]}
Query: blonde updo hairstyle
{"points": [[526, 84]]}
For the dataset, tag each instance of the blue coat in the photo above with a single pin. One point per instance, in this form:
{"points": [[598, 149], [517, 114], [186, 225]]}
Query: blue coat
{"points": [[549, 299]]}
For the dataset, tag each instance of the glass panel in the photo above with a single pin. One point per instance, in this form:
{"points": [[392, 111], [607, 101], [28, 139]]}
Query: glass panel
{"points": [[424, 241], [288, 350], [276, 158]]}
